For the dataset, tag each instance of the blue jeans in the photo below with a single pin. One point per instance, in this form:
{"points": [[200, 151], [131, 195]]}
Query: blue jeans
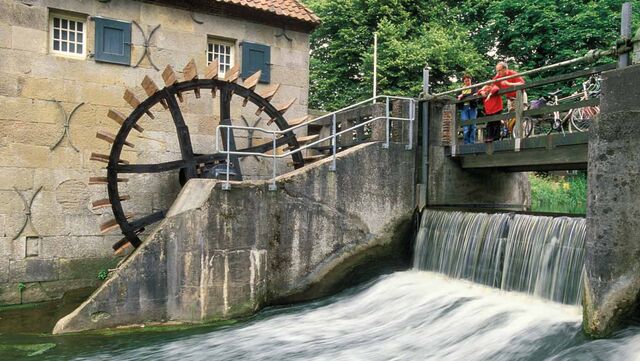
{"points": [[469, 131]]}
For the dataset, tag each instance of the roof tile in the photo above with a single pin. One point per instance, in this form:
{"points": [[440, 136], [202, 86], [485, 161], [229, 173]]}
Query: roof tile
{"points": [[288, 8]]}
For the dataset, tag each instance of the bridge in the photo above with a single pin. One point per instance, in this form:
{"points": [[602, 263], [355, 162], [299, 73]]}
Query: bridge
{"points": [[557, 150]]}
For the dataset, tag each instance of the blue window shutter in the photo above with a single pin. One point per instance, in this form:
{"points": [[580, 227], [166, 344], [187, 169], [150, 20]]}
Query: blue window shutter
{"points": [[113, 41], [256, 57]]}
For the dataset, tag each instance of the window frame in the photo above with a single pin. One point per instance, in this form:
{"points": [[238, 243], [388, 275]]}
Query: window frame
{"points": [[231, 43], [78, 19]]}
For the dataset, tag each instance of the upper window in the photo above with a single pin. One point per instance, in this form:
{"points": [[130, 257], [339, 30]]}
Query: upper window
{"points": [[223, 51], [68, 35]]}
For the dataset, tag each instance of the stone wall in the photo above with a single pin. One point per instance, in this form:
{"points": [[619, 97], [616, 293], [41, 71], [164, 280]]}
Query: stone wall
{"points": [[62, 247], [612, 251], [224, 254]]}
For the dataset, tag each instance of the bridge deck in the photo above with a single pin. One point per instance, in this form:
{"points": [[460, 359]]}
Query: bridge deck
{"points": [[544, 152]]}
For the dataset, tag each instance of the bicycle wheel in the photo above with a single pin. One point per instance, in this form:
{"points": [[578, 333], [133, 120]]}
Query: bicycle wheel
{"points": [[581, 118], [527, 129]]}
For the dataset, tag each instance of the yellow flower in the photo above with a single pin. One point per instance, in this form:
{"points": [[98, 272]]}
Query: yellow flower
{"points": [[566, 186]]}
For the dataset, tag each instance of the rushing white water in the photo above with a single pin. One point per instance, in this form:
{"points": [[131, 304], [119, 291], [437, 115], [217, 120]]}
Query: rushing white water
{"points": [[419, 315], [410, 315], [543, 256]]}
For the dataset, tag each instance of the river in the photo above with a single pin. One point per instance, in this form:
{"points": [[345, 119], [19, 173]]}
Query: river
{"points": [[524, 304]]}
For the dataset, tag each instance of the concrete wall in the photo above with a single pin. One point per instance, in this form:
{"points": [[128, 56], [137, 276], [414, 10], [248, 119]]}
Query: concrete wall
{"points": [[450, 185], [223, 254], [67, 250], [612, 284]]}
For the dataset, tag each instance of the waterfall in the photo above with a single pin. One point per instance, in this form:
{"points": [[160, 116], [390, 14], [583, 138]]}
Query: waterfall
{"points": [[543, 256]]}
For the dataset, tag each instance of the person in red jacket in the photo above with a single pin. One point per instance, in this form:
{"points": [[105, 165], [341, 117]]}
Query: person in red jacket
{"points": [[502, 70], [492, 105]]}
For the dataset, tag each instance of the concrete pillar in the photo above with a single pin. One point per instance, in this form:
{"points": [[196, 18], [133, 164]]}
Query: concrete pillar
{"points": [[451, 185], [612, 283]]}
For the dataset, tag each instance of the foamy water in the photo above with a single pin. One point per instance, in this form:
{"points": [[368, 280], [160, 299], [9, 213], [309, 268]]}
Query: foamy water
{"points": [[410, 315]]}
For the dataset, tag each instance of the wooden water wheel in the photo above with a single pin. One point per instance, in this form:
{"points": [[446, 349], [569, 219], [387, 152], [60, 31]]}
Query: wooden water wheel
{"points": [[190, 165]]}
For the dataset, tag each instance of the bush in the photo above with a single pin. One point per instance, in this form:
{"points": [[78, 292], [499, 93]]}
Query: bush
{"points": [[559, 194]]}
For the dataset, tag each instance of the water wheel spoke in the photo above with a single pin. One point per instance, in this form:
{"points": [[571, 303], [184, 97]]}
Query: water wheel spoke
{"points": [[149, 219], [168, 166]]}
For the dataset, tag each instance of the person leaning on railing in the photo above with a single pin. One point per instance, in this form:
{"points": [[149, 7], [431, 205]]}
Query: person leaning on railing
{"points": [[502, 70], [469, 111], [492, 105]]}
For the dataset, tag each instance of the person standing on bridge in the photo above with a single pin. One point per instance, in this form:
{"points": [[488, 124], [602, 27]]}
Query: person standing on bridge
{"points": [[469, 111], [502, 70], [492, 105]]}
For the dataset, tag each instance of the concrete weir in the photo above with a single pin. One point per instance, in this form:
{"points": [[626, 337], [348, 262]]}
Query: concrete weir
{"points": [[225, 254]]}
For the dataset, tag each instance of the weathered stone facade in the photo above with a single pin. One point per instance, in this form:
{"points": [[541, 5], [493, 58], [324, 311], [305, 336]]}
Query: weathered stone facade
{"points": [[62, 247]]}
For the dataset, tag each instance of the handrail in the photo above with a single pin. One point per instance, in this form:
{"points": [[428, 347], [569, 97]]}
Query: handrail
{"points": [[592, 55], [352, 106], [332, 137]]}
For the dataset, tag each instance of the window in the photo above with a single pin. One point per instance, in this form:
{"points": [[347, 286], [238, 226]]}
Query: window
{"points": [[256, 57], [67, 35], [113, 41], [223, 51]]}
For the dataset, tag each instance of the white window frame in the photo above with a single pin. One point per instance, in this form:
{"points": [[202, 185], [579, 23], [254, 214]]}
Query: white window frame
{"points": [[223, 67], [77, 19]]}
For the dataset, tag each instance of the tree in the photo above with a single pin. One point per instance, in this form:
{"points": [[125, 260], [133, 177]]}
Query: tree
{"points": [[531, 34], [411, 34], [452, 36]]}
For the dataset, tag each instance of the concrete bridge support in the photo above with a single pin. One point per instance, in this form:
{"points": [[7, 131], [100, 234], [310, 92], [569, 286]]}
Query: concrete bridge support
{"points": [[451, 185], [612, 284], [225, 254]]}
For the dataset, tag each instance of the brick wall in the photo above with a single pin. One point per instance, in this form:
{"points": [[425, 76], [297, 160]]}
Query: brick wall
{"points": [[62, 248]]}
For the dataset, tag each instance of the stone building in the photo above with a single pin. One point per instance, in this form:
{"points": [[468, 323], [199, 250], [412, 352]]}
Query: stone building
{"points": [[64, 64]]}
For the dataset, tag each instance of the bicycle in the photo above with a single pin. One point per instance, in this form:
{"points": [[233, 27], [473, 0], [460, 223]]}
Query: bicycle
{"points": [[576, 118]]}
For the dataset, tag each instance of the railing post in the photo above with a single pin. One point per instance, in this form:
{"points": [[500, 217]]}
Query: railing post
{"points": [[227, 186], [412, 116], [517, 128], [334, 147], [625, 33], [272, 185], [387, 132]]}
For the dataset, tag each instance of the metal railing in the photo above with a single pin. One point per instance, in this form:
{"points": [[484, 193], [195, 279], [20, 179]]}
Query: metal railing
{"points": [[332, 137]]}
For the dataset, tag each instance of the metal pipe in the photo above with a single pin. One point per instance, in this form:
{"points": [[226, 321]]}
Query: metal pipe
{"points": [[625, 33], [424, 177], [332, 168], [272, 186], [375, 66], [226, 186], [388, 130], [592, 55], [306, 146]]}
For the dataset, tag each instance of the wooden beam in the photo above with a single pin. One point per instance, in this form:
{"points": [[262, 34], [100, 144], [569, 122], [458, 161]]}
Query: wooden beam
{"points": [[528, 158]]}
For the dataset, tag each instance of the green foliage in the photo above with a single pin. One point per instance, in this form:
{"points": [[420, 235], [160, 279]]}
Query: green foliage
{"points": [[531, 34], [452, 37], [559, 194], [410, 35], [103, 274], [21, 287]]}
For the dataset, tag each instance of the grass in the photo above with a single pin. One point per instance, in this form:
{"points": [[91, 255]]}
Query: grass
{"points": [[559, 194]]}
